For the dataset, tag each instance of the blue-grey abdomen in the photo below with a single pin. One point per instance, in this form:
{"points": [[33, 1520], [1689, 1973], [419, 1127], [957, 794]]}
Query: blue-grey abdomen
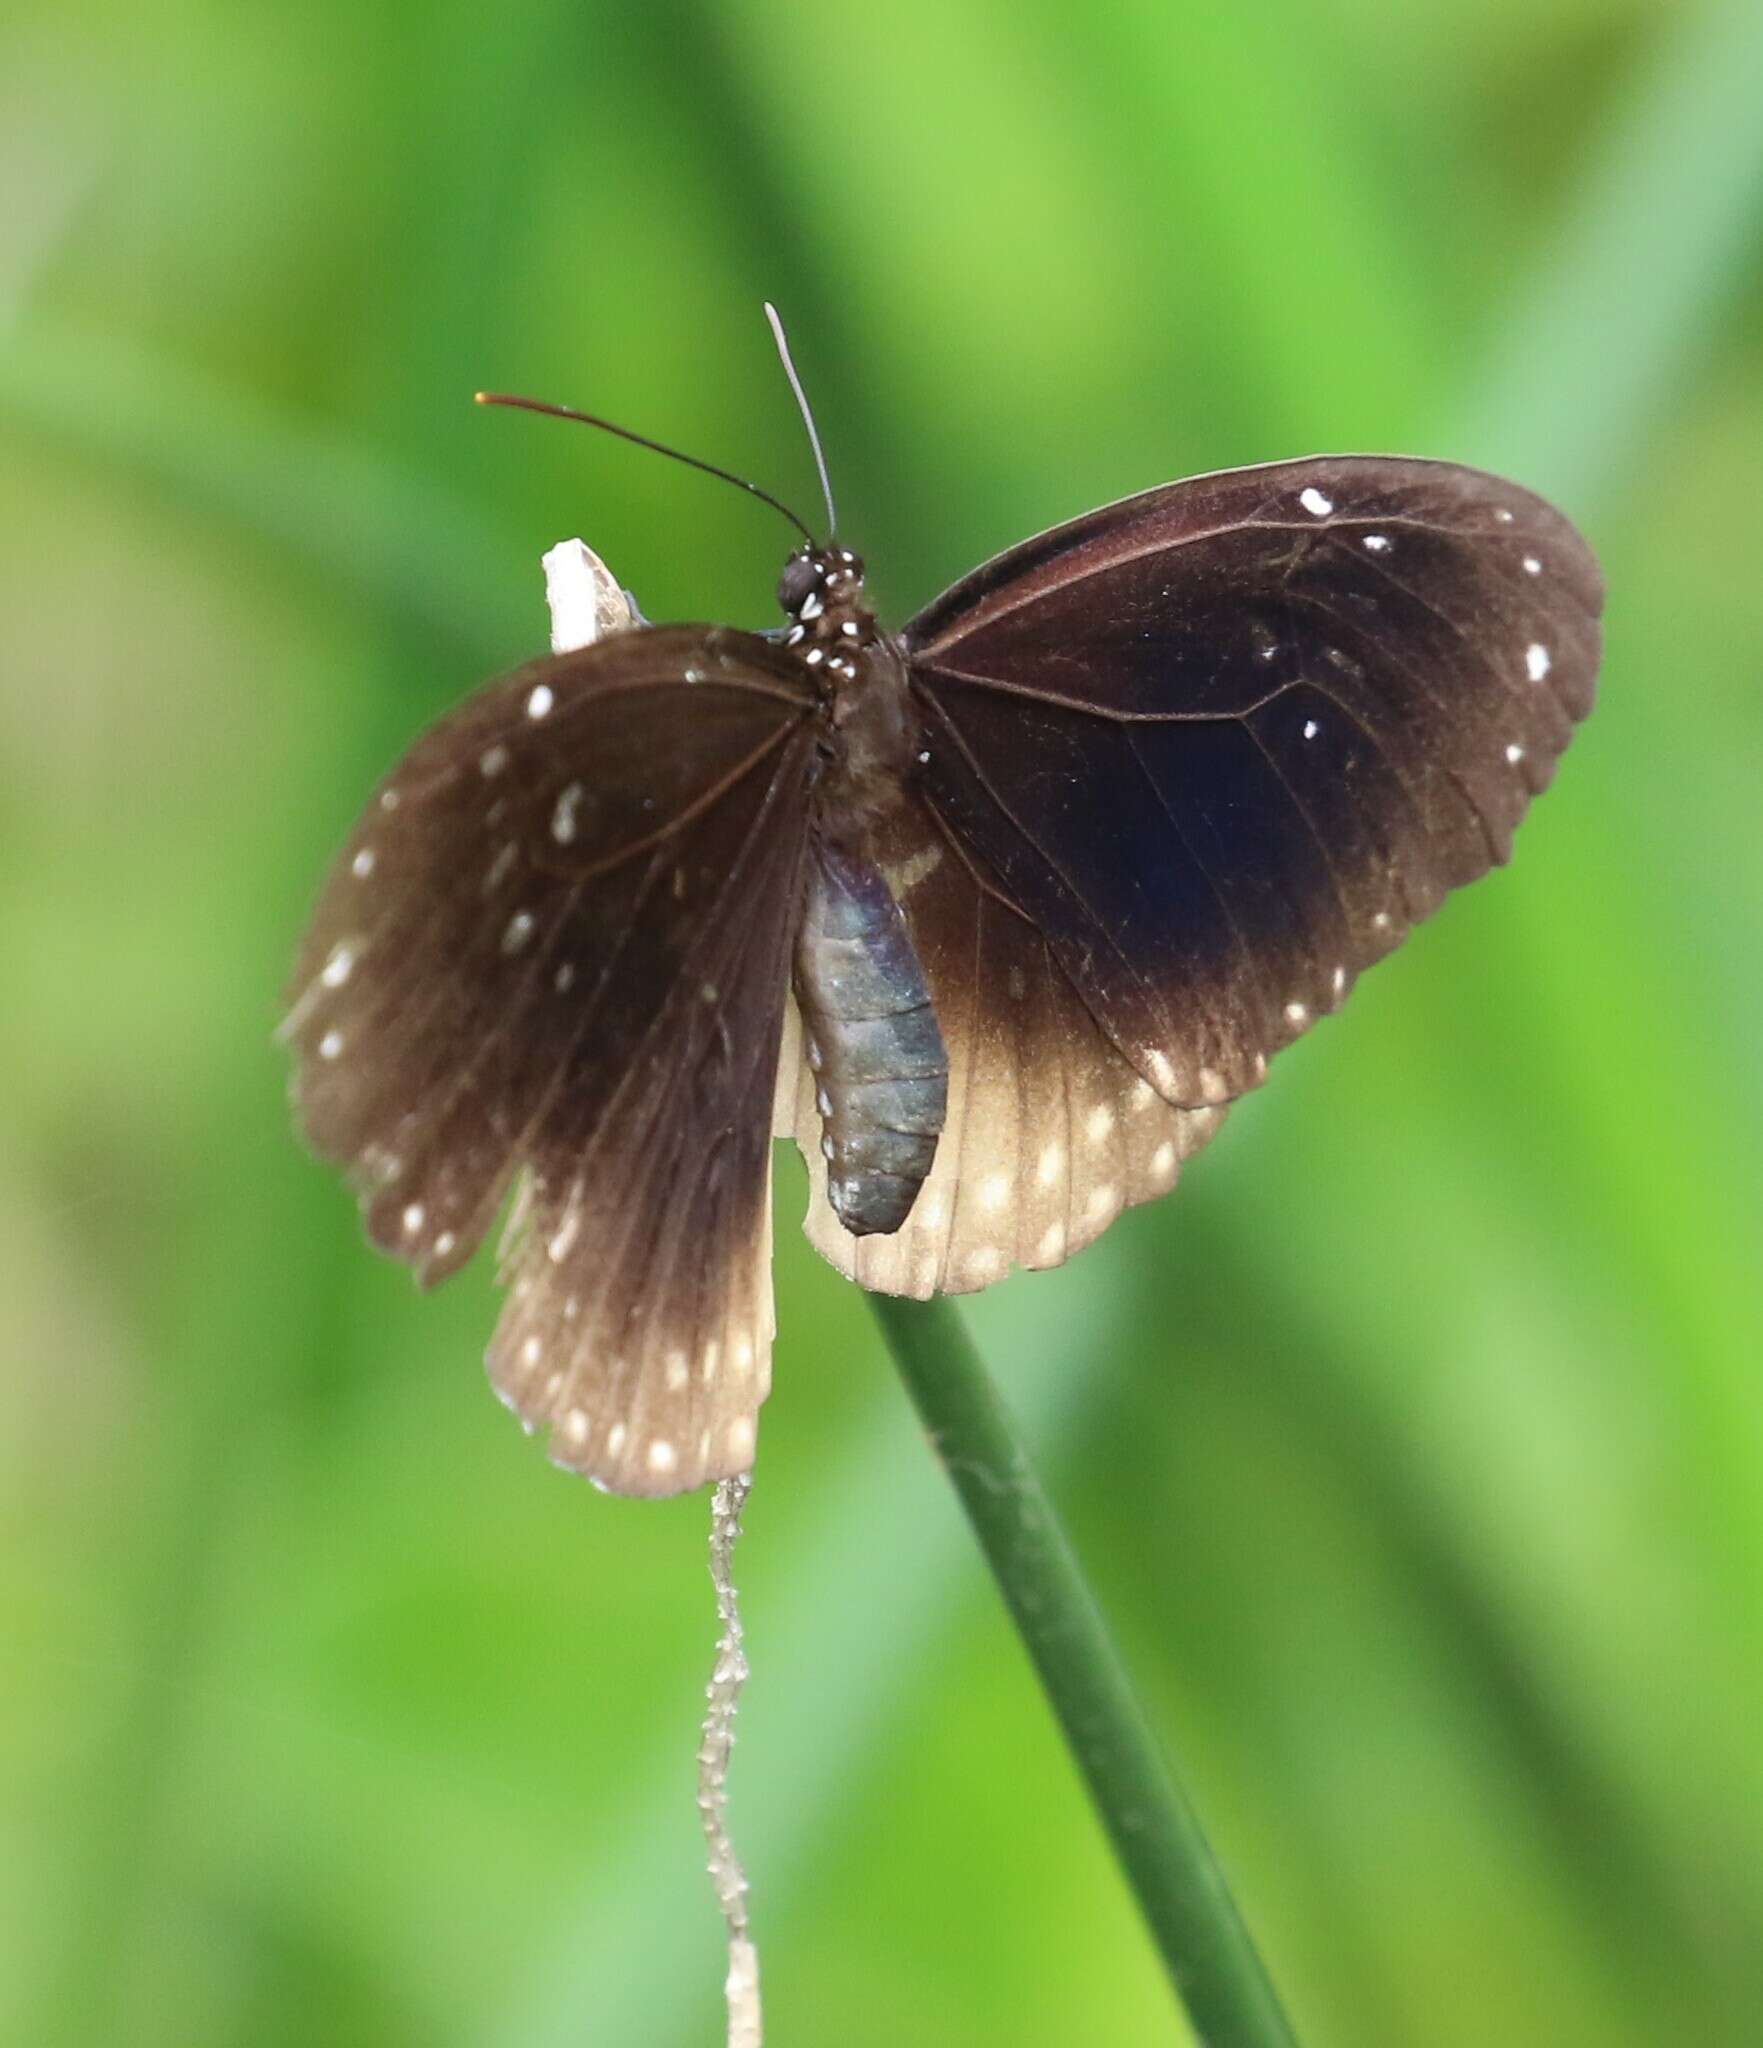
{"points": [[871, 1038]]}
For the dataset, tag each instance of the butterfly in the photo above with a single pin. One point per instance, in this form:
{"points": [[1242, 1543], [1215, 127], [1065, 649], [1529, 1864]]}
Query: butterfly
{"points": [[996, 914]]}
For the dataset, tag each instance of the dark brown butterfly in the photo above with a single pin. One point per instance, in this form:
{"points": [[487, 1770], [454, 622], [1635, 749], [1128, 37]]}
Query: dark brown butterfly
{"points": [[995, 915]]}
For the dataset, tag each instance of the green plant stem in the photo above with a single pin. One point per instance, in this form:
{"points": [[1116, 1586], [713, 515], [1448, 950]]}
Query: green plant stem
{"points": [[1181, 1891]]}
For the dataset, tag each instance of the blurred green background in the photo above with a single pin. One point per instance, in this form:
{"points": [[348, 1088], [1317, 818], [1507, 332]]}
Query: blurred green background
{"points": [[1415, 1445]]}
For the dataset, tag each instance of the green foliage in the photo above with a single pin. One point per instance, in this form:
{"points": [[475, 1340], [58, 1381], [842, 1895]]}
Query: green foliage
{"points": [[1416, 1444]]}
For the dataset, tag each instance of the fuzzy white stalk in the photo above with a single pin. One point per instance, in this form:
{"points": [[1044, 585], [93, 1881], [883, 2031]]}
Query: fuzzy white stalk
{"points": [[724, 1692]]}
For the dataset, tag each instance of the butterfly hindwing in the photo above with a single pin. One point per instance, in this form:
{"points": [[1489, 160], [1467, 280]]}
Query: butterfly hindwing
{"points": [[1225, 742], [557, 945]]}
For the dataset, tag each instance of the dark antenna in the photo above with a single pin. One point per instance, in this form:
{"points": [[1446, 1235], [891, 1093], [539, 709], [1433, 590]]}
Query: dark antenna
{"points": [[783, 349], [588, 419]]}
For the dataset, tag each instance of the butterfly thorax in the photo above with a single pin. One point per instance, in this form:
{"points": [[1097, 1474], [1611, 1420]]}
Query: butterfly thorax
{"points": [[870, 1030], [861, 678]]}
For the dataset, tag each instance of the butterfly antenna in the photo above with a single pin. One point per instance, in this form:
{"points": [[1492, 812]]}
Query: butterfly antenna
{"points": [[588, 419], [783, 349]]}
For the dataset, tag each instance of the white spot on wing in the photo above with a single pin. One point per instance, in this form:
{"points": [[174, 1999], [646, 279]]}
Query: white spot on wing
{"points": [[1514, 753], [1536, 661], [1051, 1248], [1532, 567], [564, 1237], [1098, 1124], [1163, 1161], [985, 1264], [330, 1045], [337, 967], [678, 1371], [1378, 543], [493, 759], [413, 1218], [740, 1437], [906, 875], [529, 1351], [563, 817], [1103, 1202], [1298, 1014], [1051, 1164], [541, 700], [994, 1191], [1314, 502], [662, 1456], [520, 929], [575, 1426], [362, 864]]}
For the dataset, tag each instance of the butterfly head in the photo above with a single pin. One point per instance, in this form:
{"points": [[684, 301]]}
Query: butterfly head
{"points": [[821, 591]]}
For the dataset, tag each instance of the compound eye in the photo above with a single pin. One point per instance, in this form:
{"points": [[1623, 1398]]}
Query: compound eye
{"points": [[802, 577]]}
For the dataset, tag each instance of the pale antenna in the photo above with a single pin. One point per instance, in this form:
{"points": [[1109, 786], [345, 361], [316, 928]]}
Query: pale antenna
{"points": [[783, 349]]}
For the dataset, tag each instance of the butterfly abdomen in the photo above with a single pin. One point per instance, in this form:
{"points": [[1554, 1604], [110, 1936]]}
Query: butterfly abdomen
{"points": [[871, 1036]]}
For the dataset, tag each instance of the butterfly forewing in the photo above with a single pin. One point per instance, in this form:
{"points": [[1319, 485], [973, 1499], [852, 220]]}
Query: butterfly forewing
{"points": [[557, 943], [1223, 743]]}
